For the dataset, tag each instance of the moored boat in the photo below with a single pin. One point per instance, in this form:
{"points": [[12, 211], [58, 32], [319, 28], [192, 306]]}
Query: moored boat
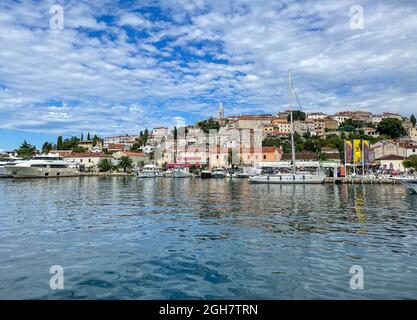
{"points": [[149, 171], [44, 166], [218, 173]]}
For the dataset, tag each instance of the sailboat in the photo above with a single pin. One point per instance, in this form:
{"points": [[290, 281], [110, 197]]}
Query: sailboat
{"points": [[294, 177]]}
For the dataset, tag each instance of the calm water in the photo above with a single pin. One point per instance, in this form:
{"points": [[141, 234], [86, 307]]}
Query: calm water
{"points": [[124, 238]]}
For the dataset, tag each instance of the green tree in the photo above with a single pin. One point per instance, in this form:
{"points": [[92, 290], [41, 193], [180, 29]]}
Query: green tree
{"points": [[391, 127], [297, 115], [411, 162], [105, 165], [82, 136], [206, 125], [125, 163], [59, 143], [413, 120], [26, 150], [88, 136], [47, 147]]}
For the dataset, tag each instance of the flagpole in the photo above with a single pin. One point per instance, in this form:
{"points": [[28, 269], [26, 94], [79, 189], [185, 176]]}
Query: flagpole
{"points": [[344, 144], [363, 159]]}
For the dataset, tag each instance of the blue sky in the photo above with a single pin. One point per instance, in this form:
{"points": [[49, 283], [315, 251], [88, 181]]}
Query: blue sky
{"points": [[121, 66]]}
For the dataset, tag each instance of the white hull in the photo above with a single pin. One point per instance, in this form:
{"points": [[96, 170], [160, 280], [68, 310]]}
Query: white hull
{"points": [[149, 175], [289, 179], [31, 172], [180, 174], [4, 173]]}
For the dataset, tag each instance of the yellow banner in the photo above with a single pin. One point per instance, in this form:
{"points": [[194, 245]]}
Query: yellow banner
{"points": [[357, 152]]}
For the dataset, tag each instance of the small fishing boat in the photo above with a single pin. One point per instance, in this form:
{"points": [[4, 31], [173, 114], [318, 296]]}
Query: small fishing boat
{"points": [[218, 173], [181, 172]]}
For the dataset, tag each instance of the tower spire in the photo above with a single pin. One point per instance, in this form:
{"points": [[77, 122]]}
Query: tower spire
{"points": [[221, 110]]}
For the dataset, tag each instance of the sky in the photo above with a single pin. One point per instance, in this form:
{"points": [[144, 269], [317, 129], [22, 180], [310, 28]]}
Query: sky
{"points": [[118, 67]]}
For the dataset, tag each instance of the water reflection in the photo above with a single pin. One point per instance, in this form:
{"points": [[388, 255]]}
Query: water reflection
{"points": [[189, 238]]}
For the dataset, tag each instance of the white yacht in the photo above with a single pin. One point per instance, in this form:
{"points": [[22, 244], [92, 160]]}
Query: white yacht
{"points": [[218, 173], [44, 166], [8, 162], [292, 177], [181, 172], [149, 171]]}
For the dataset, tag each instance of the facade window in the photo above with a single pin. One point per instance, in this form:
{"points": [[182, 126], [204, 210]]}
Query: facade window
{"points": [[81, 160], [89, 160], [264, 156]]}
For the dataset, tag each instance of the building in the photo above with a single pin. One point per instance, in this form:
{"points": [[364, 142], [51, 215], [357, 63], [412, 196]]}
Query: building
{"points": [[341, 117], [136, 157], [412, 133], [370, 131], [390, 162], [113, 143], [86, 161], [316, 115], [281, 127], [320, 127], [253, 121], [221, 111], [392, 148], [389, 115], [114, 147], [303, 127], [91, 145], [330, 124]]}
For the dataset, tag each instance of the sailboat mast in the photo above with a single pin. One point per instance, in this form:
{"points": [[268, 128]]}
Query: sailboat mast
{"points": [[292, 122]]}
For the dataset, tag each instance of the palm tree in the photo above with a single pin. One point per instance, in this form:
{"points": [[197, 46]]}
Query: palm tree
{"points": [[125, 163], [104, 165]]}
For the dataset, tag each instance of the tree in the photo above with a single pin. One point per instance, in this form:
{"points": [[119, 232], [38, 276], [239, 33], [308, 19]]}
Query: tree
{"points": [[47, 147], [411, 162], [175, 133], [391, 127], [125, 163], [206, 125], [105, 165], [88, 136], [413, 120], [59, 143], [26, 150], [82, 136], [297, 115]]}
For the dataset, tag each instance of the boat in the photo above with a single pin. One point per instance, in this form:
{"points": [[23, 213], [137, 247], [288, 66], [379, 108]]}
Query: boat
{"points": [[149, 171], [205, 174], [218, 173], [410, 183], [293, 177], [8, 162], [43, 166], [181, 172]]}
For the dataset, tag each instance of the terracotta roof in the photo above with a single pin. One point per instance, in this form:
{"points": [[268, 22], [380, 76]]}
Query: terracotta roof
{"points": [[134, 154], [87, 155], [390, 157]]}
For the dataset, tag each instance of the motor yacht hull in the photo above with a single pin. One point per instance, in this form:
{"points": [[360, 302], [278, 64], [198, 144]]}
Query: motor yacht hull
{"points": [[31, 172], [289, 179], [149, 175]]}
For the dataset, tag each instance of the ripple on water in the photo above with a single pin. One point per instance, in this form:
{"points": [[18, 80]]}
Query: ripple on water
{"points": [[126, 238]]}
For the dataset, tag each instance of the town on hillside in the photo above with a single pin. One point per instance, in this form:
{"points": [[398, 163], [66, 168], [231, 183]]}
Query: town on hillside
{"points": [[246, 141]]}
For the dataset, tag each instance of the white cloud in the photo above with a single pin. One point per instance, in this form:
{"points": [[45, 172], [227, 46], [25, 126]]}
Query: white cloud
{"points": [[114, 78]]}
